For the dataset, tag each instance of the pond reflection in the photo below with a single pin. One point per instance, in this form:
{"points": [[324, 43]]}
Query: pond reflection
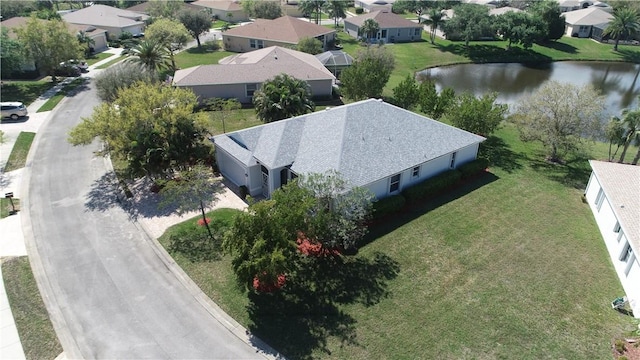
{"points": [[618, 81]]}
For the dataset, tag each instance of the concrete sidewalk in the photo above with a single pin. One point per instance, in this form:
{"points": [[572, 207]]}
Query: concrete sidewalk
{"points": [[11, 238]]}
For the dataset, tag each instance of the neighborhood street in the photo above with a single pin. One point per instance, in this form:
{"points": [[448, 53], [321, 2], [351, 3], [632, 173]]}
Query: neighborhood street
{"points": [[109, 293]]}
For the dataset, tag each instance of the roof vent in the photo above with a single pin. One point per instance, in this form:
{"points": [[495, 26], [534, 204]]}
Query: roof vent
{"points": [[327, 108]]}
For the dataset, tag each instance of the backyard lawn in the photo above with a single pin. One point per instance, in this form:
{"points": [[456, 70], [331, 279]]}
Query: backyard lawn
{"points": [[510, 265]]}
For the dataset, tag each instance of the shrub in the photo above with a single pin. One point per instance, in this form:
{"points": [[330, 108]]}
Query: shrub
{"points": [[431, 186], [620, 346], [194, 243], [471, 168], [388, 205], [212, 45], [359, 11]]}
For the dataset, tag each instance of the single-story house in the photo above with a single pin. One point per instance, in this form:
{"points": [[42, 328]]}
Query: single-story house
{"points": [[99, 36], [372, 144], [393, 28], [580, 23], [239, 76], [230, 11], [503, 10], [613, 193], [114, 20], [284, 31], [572, 5], [144, 7], [374, 5], [335, 61]]}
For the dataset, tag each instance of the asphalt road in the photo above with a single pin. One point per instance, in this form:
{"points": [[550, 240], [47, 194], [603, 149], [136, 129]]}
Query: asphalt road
{"points": [[109, 293]]}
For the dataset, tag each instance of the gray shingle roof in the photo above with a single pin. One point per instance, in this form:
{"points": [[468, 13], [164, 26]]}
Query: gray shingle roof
{"points": [[621, 184], [365, 141], [384, 19], [255, 67], [103, 15], [285, 29]]}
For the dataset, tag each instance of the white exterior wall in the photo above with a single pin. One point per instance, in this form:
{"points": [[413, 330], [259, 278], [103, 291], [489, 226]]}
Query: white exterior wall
{"points": [[628, 272], [582, 31], [231, 168], [255, 181]]}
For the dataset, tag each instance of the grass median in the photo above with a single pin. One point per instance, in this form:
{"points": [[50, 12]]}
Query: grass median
{"points": [[55, 99], [18, 156], [117, 59], [37, 335]]}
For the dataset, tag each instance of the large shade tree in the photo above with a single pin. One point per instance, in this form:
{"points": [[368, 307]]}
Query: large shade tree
{"points": [[369, 73], [470, 22], [282, 97], [550, 14], [48, 43], [120, 76], [151, 127], [11, 54], [196, 22], [171, 34], [625, 23], [560, 116], [479, 115], [520, 28]]}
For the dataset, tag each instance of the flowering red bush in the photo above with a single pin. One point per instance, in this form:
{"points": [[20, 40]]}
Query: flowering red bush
{"points": [[311, 248], [201, 221], [260, 286]]}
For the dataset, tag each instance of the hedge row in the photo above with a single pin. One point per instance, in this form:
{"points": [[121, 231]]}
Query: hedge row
{"points": [[427, 188]]}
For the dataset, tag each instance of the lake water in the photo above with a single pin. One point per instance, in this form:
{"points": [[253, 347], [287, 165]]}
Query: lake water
{"points": [[618, 81]]}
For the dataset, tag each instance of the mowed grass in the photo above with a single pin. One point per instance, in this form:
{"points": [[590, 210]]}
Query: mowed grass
{"points": [[6, 208], [38, 338], [97, 57], [510, 265], [194, 57], [55, 99], [24, 91], [116, 59], [233, 120], [18, 156]]}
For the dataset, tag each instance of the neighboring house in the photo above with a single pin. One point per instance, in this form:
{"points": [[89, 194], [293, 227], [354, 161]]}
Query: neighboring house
{"points": [[372, 144], [613, 193], [503, 10], [374, 5], [99, 36], [230, 11], [239, 76], [144, 7], [581, 23], [393, 28], [114, 20], [284, 31], [489, 3], [335, 61], [572, 5]]}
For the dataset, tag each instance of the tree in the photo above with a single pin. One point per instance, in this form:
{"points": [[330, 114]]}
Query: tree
{"points": [[121, 76], [337, 9], [369, 29], [16, 8], [625, 23], [435, 20], [470, 22], [266, 9], [310, 45], [11, 54], [520, 28], [192, 189], [312, 7], [196, 22], [432, 103], [170, 34], [222, 109], [86, 41], [477, 115], [48, 43], [151, 127], [407, 93], [560, 116], [550, 13], [631, 123], [614, 133], [368, 74], [151, 54], [282, 97], [164, 8]]}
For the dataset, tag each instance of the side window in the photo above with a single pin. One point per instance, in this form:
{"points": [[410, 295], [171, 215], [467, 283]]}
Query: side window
{"points": [[452, 164], [394, 184], [416, 172], [251, 88]]}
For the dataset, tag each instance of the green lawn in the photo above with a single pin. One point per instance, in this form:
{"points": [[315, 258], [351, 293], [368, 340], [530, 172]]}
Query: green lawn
{"points": [[111, 62], [6, 208], [510, 265], [18, 156], [97, 57], [38, 338], [194, 57], [55, 99], [236, 120], [24, 91]]}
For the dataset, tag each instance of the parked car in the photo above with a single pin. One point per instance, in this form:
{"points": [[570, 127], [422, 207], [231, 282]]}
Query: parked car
{"points": [[82, 65], [67, 70], [13, 110]]}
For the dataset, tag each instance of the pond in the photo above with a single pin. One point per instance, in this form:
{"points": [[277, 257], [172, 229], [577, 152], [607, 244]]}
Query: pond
{"points": [[618, 81]]}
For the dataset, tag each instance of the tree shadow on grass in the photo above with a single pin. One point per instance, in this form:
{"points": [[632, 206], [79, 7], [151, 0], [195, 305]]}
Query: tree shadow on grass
{"points": [[574, 172], [299, 319], [566, 48], [630, 55], [500, 155], [484, 53]]}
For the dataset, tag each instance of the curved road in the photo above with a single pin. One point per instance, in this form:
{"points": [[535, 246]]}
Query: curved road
{"points": [[109, 293]]}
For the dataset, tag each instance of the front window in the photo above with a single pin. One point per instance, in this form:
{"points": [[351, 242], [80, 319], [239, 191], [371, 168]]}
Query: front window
{"points": [[250, 89], [256, 44], [417, 32], [394, 184]]}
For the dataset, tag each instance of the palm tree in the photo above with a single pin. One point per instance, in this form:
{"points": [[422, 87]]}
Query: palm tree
{"points": [[626, 22], [85, 39], [309, 7], [282, 97], [436, 18], [369, 29], [337, 10], [151, 54], [631, 121]]}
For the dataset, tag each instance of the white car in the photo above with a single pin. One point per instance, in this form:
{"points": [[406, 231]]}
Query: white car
{"points": [[13, 110]]}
